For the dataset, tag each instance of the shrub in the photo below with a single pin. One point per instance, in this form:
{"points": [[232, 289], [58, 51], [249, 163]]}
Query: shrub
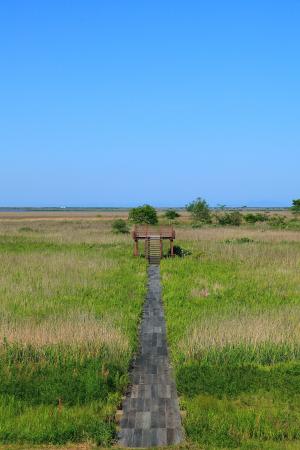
{"points": [[120, 226], [278, 222], [179, 251], [143, 214], [253, 218], [171, 214], [296, 206], [199, 210], [233, 218]]}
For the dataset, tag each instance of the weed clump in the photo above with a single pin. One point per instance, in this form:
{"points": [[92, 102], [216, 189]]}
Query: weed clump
{"points": [[120, 226], [179, 251], [242, 240]]}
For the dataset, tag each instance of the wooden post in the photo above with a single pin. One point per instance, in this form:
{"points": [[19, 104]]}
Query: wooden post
{"points": [[161, 248], [171, 247], [136, 247]]}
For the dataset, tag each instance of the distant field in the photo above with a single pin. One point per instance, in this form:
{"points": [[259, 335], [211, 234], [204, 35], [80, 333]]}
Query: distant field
{"points": [[61, 216], [71, 296]]}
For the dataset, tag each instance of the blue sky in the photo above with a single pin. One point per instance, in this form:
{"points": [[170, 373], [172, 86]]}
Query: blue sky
{"points": [[117, 103]]}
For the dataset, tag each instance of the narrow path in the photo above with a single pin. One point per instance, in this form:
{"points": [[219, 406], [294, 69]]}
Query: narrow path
{"points": [[150, 411]]}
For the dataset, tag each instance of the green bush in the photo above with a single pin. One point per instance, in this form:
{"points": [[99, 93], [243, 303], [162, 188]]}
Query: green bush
{"points": [[120, 226], [253, 218], [234, 218], [143, 214]]}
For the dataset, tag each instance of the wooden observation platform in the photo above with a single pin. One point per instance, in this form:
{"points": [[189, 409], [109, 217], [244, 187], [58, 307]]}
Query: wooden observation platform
{"points": [[153, 238]]}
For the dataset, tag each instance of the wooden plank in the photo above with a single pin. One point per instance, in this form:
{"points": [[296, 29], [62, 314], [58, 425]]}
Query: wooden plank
{"points": [[151, 415]]}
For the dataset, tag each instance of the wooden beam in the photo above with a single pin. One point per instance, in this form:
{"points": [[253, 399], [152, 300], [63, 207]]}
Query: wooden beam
{"points": [[136, 247]]}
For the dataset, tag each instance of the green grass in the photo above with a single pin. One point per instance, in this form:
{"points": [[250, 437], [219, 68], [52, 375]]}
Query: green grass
{"points": [[233, 328], [71, 296], [69, 315]]}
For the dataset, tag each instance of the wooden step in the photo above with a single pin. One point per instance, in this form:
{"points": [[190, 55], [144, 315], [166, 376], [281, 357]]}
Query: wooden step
{"points": [[153, 250]]}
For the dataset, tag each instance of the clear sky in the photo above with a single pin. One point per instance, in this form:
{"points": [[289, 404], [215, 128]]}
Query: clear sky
{"points": [[118, 103]]}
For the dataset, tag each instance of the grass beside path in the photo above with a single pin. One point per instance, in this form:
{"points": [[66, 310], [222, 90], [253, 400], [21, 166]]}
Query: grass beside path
{"points": [[68, 330], [258, 445], [233, 320]]}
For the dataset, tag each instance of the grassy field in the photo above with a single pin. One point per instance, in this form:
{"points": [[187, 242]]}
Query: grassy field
{"points": [[233, 318], [71, 296]]}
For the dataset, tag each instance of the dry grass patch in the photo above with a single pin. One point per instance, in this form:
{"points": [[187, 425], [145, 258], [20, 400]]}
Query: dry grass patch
{"points": [[75, 328], [204, 289], [223, 233], [64, 230], [269, 327]]}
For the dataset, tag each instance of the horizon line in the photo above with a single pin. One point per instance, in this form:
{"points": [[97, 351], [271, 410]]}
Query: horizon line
{"points": [[64, 208]]}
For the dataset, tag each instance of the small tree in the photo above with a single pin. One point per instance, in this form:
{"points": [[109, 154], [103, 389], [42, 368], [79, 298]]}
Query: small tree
{"points": [[143, 214], [296, 206], [120, 226], [199, 210], [171, 214]]}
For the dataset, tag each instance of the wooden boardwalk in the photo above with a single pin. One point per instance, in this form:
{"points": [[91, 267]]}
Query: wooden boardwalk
{"points": [[151, 416]]}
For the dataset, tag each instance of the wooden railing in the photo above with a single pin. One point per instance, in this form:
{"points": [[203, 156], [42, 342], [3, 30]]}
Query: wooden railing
{"points": [[146, 231]]}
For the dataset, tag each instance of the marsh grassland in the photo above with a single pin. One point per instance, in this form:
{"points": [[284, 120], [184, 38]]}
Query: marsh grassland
{"points": [[71, 296], [233, 319]]}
